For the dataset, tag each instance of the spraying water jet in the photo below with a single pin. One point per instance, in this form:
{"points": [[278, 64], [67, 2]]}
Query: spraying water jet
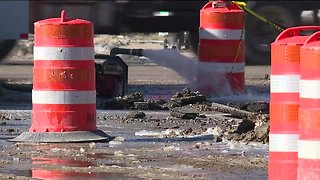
{"points": [[213, 81]]}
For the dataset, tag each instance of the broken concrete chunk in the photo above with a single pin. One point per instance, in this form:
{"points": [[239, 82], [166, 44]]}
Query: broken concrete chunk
{"points": [[189, 100], [184, 113], [256, 107], [136, 115], [186, 92], [217, 139], [262, 133], [134, 97], [150, 105], [245, 126], [217, 131], [126, 102], [116, 103], [186, 97], [259, 107]]}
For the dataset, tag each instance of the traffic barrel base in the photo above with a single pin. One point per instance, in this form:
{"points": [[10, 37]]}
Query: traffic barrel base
{"points": [[63, 137]]}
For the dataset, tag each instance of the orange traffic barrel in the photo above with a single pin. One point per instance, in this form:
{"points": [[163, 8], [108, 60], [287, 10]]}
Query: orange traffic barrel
{"points": [[309, 110], [284, 102], [63, 95], [221, 49]]}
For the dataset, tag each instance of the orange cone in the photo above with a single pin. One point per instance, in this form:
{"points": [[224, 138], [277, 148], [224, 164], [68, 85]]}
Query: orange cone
{"points": [[63, 95], [309, 111], [221, 49], [284, 102]]}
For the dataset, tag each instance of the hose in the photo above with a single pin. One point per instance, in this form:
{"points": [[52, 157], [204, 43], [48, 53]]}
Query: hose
{"points": [[134, 52]]}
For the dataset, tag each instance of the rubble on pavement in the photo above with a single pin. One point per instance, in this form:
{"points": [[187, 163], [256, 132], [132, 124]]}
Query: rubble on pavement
{"points": [[246, 122]]}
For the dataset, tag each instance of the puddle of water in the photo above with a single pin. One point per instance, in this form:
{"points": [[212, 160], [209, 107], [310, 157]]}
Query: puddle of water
{"points": [[162, 134], [64, 162], [51, 174], [40, 171], [169, 135], [25, 173], [172, 139], [183, 146]]}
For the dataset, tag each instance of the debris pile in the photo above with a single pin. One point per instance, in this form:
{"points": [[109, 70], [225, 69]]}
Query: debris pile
{"points": [[245, 122], [186, 97], [184, 113]]}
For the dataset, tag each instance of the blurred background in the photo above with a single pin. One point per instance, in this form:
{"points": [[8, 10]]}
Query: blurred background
{"points": [[177, 22]]}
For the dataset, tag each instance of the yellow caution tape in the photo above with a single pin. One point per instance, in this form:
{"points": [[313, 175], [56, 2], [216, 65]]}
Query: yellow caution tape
{"points": [[239, 3], [242, 5]]}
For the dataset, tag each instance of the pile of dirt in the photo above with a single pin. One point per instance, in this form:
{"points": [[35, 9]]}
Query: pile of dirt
{"points": [[246, 122]]}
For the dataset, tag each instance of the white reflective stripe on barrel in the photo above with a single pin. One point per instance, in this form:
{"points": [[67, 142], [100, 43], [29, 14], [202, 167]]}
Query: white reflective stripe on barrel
{"points": [[310, 89], [221, 34], [221, 67], [308, 149], [63, 53], [283, 142], [284, 83], [63, 97]]}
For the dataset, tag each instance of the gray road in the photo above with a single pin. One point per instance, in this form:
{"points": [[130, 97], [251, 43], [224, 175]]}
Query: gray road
{"points": [[138, 72]]}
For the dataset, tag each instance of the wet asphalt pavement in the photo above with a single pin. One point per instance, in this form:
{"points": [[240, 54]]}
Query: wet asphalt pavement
{"points": [[134, 154]]}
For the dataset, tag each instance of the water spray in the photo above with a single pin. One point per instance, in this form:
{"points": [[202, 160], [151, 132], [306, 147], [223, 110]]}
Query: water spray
{"points": [[186, 67]]}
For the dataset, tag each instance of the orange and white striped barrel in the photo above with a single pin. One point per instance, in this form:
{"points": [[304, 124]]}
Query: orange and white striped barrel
{"points": [[309, 110], [63, 95], [284, 102], [221, 49]]}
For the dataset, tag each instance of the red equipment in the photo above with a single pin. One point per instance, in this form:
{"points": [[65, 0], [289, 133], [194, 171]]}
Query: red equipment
{"points": [[111, 76]]}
